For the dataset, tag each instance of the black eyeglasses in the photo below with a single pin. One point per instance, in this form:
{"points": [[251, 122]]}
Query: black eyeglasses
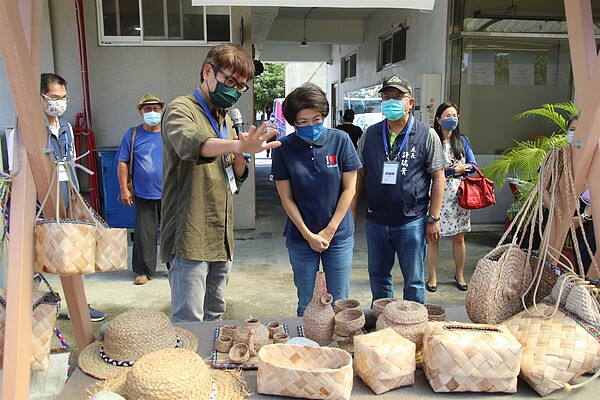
{"points": [[231, 82], [385, 96]]}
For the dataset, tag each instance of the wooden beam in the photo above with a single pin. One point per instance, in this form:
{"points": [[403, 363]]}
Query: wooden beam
{"points": [[17, 329]]}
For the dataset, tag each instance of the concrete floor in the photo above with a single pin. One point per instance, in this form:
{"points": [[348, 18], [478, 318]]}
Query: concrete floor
{"points": [[261, 283]]}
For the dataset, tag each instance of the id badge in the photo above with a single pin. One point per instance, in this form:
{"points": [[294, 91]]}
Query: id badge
{"points": [[62, 174], [389, 173], [231, 179]]}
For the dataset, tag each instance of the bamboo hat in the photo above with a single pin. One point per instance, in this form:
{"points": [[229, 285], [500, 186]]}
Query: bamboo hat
{"points": [[130, 336]]}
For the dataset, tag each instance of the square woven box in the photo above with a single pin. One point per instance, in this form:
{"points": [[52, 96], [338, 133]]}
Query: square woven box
{"points": [[461, 357], [384, 360], [304, 371]]}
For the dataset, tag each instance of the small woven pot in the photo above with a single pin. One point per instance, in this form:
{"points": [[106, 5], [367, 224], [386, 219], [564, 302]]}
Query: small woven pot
{"points": [[224, 344], [379, 305], [345, 304], [435, 312], [260, 337], [274, 327], [281, 338], [349, 322], [227, 330], [408, 318], [239, 353]]}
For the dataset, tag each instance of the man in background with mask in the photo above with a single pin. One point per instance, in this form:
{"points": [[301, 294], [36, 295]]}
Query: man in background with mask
{"points": [[141, 151], [203, 166], [402, 160], [61, 141]]}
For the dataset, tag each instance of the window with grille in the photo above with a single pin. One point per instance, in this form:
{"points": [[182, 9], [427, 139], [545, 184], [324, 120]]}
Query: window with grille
{"points": [[162, 23]]}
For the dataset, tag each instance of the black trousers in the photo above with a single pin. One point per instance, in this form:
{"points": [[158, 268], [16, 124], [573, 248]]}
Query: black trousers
{"points": [[145, 236]]}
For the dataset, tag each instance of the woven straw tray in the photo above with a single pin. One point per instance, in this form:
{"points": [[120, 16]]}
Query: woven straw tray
{"points": [[222, 360]]}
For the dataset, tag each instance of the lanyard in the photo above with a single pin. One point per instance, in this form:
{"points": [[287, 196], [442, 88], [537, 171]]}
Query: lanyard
{"points": [[411, 120], [222, 135]]}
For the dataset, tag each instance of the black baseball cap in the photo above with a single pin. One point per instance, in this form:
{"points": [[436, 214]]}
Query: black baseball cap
{"points": [[397, 82]]}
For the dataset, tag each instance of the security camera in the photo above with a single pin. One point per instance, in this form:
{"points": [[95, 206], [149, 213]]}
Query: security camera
{"points": [[396, 24]]}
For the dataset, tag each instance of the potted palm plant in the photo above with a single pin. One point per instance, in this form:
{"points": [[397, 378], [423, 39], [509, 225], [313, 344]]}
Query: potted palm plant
{"points": [[523, 161]]}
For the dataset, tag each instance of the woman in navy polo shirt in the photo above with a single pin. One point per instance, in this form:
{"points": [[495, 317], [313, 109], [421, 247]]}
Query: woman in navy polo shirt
{"points": [[315, 173]]}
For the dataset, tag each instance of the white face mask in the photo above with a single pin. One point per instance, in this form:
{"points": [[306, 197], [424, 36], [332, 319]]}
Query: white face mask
{"points": [[56, 108]]}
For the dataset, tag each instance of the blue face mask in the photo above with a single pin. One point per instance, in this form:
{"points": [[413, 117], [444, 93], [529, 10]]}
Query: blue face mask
{"points": [[309, 133], [449, 124], [393, 109], [570, 134], [152, 118]]}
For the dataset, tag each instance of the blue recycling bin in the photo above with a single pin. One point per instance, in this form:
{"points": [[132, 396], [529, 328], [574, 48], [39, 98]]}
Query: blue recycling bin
{"points": [[116, 214]]}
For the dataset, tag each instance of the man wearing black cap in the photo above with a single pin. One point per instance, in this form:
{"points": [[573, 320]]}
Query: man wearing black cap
{"points": [[140, 157], [403, 163], [352, 130]]}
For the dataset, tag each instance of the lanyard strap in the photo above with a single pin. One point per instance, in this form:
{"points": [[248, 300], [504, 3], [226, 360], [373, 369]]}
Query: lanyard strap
{"points": [[411, 120], [221, 135]]}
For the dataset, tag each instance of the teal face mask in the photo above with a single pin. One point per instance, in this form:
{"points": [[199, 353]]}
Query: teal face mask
{"points": [[224, 96], [310, 133], [393, 109]]}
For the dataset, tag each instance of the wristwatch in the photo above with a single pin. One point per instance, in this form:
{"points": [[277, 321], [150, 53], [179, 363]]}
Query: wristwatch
{"points": [[431, 219]]}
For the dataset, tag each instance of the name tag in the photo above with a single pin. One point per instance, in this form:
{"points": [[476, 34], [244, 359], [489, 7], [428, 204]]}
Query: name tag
{"points": [[389, 173], [231, 179], [62, 174]]}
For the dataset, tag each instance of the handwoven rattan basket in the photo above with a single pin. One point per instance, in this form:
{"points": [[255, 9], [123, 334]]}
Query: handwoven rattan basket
{"points": [[304, 372]]}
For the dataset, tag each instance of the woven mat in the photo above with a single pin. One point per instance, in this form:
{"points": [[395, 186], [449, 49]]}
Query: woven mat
{"points": [[222, 360]]}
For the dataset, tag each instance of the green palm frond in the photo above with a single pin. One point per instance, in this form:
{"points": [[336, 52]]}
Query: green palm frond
{"points": [[550, 115]]}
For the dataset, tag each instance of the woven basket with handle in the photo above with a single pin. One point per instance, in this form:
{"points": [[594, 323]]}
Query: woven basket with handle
{"points": [[304, 372], [460, 357]]}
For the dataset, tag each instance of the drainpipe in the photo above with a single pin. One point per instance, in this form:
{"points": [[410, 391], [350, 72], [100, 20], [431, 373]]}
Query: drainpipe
{"points": [[83, 120]]}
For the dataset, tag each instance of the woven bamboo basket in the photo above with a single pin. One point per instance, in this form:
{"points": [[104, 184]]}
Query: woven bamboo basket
{"points": [[460, 357], [555, 349], [304, 372], [65, 247], [384, 360]]}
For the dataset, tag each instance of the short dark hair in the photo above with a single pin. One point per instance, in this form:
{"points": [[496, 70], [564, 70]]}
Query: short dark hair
{"points": [[304, 97], [230, 55], [51, 79], [348, 115]]}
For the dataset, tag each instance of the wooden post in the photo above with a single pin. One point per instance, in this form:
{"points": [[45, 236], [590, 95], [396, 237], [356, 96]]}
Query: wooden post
{"points": [[22, 60]]}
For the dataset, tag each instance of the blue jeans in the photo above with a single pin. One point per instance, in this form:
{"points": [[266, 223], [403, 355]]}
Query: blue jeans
{"points": [[197, 289], [337, 265], [408, 242]]}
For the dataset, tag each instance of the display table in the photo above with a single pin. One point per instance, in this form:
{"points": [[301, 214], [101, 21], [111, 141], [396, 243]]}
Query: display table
{"points": [[80, 383]]}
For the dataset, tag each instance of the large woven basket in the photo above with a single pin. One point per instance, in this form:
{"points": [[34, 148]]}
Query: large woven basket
{"points": [[557, 349], [65, 247], [460, 357], [496, 287], [384, 360], [304, 372]]}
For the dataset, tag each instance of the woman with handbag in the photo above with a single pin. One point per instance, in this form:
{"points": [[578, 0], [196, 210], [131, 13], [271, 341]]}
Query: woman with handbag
{"points": [[454, 220]]}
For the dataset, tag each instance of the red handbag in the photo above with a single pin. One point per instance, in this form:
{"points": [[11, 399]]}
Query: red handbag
{"points": [[476, 191]]}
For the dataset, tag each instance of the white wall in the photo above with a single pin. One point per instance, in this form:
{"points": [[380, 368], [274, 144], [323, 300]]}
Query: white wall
{"points": [[425, 48]]}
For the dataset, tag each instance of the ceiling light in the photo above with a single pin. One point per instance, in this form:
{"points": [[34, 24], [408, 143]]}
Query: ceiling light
{"points": [[304, 44]]}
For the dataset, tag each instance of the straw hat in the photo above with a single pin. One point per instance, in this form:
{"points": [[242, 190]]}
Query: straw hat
{"points": [[130, 336], [175, 374]]}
